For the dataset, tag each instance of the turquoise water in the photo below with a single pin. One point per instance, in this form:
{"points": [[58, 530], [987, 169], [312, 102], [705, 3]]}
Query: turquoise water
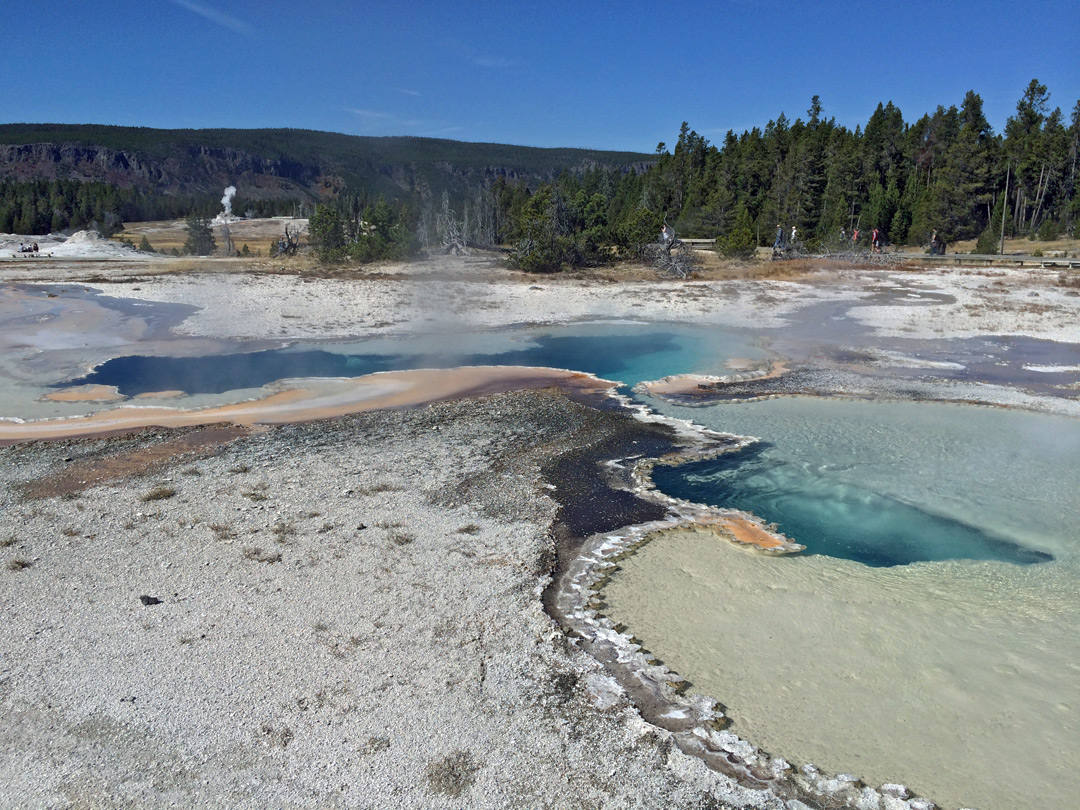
{"points": [[890, 483]]}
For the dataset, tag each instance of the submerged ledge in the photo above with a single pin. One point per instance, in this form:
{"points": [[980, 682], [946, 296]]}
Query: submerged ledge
{"points": [[678, 387], [304, 400], [695, 390]]}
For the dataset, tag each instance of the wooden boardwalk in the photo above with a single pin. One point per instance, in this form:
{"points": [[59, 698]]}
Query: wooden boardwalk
{"points": [[992, 260], [949, 259]]}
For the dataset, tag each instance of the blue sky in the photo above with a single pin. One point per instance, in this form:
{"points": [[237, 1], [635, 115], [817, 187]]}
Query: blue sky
{"points": [[606, 75]]}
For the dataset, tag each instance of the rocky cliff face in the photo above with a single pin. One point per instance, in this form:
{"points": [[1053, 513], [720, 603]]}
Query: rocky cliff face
{"points": [[300, 165], [185, 169]]}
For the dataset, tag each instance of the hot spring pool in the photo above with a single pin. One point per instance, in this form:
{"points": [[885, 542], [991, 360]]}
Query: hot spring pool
{"points": [[899, 647]]}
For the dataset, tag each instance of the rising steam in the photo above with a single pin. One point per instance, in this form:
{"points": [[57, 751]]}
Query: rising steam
{"points": [[226, 201]]}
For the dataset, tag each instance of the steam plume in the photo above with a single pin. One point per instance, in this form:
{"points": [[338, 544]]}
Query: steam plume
{"points": [[226, 201]]}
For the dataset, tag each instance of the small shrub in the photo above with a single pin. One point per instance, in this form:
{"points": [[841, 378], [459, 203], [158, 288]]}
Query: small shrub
{"points": [[7, 542], [1048, 231], [240, 468], [989, 242], [19, 563], [469, 528]]}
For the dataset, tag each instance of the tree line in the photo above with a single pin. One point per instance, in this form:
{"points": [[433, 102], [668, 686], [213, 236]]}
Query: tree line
{"points": [[948, 171], [54, 206]]}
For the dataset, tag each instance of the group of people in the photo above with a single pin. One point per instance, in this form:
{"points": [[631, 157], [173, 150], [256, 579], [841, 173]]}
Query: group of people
{"points": [[876, 240], [778, 244], [31, 248]]}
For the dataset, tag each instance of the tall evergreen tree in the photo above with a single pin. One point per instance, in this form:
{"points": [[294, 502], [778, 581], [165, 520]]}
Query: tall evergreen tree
{"points": [[200, 237]]}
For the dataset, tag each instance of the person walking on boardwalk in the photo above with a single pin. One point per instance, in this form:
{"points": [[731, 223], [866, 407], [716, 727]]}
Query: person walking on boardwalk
{"points": [[779, 241]]}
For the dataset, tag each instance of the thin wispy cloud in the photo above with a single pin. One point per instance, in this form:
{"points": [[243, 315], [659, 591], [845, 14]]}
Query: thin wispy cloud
{"points": [[373, 115], [216, 17], [483, 60], [407, 92], [497, 62]]}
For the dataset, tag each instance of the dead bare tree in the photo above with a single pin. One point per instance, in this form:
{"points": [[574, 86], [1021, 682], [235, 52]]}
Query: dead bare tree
{"points": [[450, 232], [670, 256], [226, 237], [290, 244], [425, 226]]}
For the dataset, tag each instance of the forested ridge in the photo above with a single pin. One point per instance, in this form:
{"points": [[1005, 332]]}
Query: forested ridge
{"points": [[59, 177]]}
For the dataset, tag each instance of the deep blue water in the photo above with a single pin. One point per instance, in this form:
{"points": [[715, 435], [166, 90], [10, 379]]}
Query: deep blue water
{"points": [[628, 353]]}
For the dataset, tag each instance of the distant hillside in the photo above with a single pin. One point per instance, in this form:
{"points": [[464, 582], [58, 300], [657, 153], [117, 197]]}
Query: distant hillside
{"points": [[267, 164]]}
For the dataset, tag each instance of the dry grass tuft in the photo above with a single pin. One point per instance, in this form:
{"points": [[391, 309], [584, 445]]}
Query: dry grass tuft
{"points": [[257, 493], [282, 532], [257, 554], [158, 493], [375, 489], [19, 564], [402, 538], [222, 531]]}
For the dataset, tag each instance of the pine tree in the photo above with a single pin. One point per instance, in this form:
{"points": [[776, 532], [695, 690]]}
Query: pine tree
{"points": [[200, 238], [740, 242], [327, 232]]}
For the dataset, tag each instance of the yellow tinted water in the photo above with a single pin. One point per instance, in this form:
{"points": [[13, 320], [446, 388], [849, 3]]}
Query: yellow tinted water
{"points": [[959, 679]]}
